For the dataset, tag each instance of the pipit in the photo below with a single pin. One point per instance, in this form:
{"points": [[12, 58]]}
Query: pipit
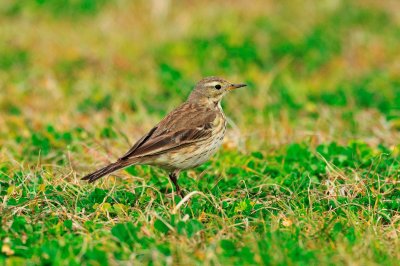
{"points": [[186, 138]]}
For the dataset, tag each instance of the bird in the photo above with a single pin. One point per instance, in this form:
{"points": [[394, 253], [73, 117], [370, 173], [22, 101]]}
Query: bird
{"points": [[185, 138]]}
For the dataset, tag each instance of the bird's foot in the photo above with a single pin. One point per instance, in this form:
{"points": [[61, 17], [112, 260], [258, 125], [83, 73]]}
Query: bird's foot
{"points": [[179, 193]]}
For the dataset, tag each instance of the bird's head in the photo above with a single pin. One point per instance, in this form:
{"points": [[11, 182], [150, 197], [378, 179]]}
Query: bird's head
{"points": [[212, 90]]}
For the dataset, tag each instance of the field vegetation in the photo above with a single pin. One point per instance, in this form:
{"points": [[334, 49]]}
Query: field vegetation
{"points": [[308, 173]]}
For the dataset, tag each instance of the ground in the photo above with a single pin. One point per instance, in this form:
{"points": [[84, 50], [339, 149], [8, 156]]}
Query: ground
{"points": [[308, 173]]}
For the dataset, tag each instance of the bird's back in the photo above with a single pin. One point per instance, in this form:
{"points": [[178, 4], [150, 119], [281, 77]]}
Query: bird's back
{"points": [[185, 126]]}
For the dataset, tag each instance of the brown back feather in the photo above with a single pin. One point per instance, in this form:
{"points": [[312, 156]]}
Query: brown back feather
{"points": [[186, 124]]}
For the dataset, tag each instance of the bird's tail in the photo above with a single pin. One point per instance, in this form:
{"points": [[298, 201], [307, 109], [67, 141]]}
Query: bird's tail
{"points": [[106, 170]]}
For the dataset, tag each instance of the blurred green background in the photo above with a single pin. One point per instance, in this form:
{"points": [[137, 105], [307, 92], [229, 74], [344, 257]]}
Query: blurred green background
{"points": [[80, 80], [322, 69]]}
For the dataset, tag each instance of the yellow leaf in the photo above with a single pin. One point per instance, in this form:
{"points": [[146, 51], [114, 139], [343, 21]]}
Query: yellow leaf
{"points": [[286, 222], [7, 250], [10, 190], [105, 206], [42, 187]]}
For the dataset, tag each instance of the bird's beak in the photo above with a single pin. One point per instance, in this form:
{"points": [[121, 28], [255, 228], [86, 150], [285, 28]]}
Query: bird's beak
{"points": [[236, 86]]}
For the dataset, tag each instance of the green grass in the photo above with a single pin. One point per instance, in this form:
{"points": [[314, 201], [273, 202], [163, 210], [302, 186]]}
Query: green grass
{"points": [[308, 173]]}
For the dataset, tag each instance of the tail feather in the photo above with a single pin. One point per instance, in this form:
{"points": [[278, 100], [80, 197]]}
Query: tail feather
{"points": [[105, 170]]}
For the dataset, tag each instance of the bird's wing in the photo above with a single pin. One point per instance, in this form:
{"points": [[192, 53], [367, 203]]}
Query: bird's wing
{"points": [[185, 125], [139, 143]]}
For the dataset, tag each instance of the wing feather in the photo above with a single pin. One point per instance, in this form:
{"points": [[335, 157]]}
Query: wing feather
{"points": [[187, 124], [138, 144]]}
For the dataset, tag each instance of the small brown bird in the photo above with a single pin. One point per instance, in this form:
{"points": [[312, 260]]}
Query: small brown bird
{"points": [[186, 138]]}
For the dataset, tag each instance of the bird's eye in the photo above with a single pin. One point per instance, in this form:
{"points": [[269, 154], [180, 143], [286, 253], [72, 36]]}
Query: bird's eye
{"points": [[218, 86]]}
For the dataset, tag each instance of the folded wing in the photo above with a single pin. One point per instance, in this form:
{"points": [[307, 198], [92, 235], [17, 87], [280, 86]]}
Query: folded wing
{"points": [[186, 125]]}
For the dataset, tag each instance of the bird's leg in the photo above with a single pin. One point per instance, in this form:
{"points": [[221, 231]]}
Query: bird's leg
{"points": [[174, 178]]}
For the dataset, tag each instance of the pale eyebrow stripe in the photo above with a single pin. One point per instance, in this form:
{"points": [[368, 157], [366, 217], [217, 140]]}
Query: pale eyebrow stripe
{"points": [[213, 83]]}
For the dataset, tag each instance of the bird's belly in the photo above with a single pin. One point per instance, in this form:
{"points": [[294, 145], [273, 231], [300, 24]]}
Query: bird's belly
{"points": [[192, 156]]}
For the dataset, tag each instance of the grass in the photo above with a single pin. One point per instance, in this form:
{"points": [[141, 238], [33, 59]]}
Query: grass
{"points": [[308, 173]]}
